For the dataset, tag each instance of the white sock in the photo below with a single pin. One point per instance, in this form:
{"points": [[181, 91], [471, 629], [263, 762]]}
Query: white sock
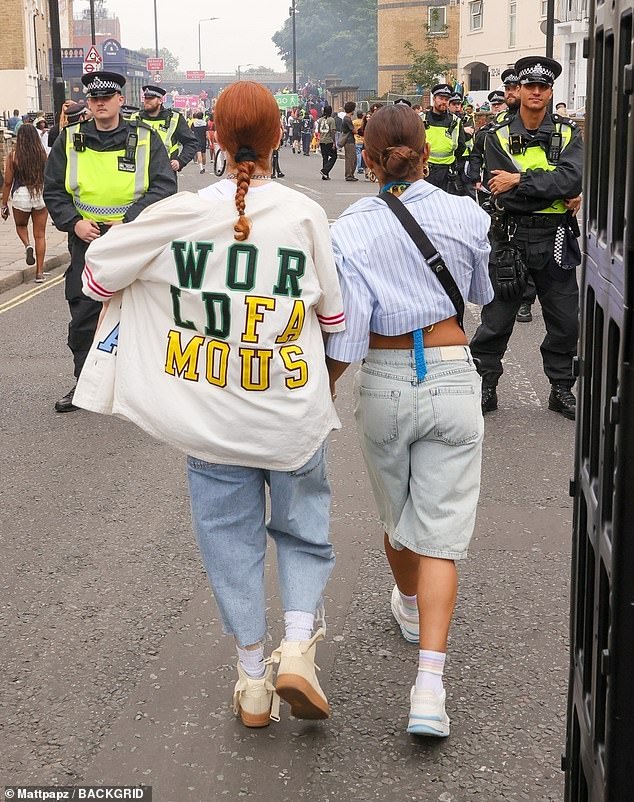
{"points": [[252, 661], [409, 603], [431, 666], [299, 625]]}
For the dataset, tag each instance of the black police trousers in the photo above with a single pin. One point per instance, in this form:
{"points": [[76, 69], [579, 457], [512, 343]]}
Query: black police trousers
{"points": [[84, 312], [438, 175], [558, 295]]}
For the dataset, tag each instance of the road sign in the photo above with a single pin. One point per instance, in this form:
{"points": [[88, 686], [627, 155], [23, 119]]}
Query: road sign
{"points": [[157, 78], [287, 100], [195, 75], [155, 64], [90, 66], [93, 56]]}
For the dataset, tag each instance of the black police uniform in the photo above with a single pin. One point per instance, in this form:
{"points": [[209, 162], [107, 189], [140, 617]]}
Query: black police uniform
{"points": [[534, 235], [162, 183]]}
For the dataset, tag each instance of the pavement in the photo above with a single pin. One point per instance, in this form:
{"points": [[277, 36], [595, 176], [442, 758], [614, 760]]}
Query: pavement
{"points": [[113, 665], [13, 269]]}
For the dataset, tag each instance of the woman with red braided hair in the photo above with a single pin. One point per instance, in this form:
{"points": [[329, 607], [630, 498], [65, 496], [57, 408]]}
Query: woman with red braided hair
{"points": [[219, 351]]}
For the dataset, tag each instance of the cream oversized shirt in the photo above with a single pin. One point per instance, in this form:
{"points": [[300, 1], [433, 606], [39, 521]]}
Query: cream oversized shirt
{"points": [[219, 348]]}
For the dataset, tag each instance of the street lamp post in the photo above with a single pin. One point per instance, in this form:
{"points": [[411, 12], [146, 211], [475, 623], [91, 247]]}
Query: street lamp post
{"points": [[242, 65], [92, 22], [156, 50], [293, 11], [200, 60], [56, 52], [550, 28]]}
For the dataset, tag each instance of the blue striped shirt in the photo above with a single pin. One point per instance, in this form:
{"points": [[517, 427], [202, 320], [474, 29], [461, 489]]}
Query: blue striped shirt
{"points": [[386, 285]]}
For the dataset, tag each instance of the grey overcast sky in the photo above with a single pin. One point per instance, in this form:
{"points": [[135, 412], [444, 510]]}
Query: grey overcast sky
{"points": [[241, 34]]}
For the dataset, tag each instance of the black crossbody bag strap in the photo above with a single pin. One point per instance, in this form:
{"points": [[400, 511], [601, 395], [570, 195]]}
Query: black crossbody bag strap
{"points": [[432, 257]]}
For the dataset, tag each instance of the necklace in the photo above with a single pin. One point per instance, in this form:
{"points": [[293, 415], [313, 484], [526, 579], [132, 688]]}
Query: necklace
{"points": [[253, 177]]}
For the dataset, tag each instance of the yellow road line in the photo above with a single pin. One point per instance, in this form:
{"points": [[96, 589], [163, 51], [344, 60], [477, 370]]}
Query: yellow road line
{"points": [[26, 296]]}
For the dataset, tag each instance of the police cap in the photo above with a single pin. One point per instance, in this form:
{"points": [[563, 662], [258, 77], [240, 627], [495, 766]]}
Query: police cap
{"points": [[509, 77], [456, 97], [102, 83], [444, 90], [497, 96], [537, 70], [74, 112], [153, 91], [402, 101], [127, 110]]}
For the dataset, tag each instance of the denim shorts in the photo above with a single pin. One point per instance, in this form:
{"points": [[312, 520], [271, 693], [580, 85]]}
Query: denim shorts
{"points": [[422, 443]]}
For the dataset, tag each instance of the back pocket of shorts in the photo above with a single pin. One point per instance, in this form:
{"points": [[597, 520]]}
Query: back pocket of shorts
{"points": [[457, 414], [377, 414]]}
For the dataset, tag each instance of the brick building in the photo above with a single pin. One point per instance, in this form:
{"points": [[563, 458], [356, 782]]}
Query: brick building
{"points": [[399, 22]]}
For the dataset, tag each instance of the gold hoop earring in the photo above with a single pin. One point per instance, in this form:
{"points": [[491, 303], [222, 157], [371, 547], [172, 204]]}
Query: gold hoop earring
{"points": [[425, 170]]}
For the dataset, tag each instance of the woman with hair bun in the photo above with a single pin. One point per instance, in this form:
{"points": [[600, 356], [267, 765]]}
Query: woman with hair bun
{"points": [[417, 392], [226, 296]]}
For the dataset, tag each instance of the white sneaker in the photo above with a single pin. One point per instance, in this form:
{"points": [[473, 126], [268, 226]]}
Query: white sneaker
{"points": [[427, 715], [296, 678], [255, 700], [408, 622]]}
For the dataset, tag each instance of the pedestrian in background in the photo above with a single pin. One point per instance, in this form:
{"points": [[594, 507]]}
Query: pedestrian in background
{"points": [[199, 127], [346, 140], [417, 393], [327, 128], [24, 182], [358, 124], [42, 130], [257, 416]]}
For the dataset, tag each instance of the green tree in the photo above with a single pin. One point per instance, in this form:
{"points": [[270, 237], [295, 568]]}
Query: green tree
{"points": [[171, 61], [333, 37], [426, 64]]}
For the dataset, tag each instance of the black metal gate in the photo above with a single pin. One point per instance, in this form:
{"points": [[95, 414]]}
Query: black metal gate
{"points": [[599, 758]]}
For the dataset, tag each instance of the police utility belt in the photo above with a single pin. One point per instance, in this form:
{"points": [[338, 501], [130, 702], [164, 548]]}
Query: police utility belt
{"points": [[127, 163]]}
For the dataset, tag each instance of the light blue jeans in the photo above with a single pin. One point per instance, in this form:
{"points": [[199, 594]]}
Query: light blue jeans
{"points": [[228, 512]]}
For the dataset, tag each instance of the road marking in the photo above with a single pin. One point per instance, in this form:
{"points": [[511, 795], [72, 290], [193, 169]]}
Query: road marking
{"points": [[26, 296], [308, 189]]}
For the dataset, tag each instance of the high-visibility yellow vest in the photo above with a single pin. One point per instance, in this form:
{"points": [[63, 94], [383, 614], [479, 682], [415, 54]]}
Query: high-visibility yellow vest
{"points": [[535, 158], [100, 190], [443, 143], [165, 129]]}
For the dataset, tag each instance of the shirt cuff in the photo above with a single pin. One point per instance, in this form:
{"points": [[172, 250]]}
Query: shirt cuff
{"points": [[342, 350], [332, 323], [92, 288]]}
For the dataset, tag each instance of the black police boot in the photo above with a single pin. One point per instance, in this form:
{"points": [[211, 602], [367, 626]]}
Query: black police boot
{"points": [[489, 398], [524, 314], [562, 400], [65, 404]]}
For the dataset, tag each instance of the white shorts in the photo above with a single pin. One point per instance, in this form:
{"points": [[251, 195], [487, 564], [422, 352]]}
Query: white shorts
{"points": [[22, 200]]}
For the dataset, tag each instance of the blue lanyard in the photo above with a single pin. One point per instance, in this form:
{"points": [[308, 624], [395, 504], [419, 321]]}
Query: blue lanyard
{"points": [[419, 353]]}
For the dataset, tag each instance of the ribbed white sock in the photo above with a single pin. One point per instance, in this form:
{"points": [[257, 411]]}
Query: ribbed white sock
{"points": [[252, 661], [299, 625], [431, 666], [409, 603]]}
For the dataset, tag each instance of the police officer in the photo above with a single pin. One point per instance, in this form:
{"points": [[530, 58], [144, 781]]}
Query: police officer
{"points": [[178, 138], [445, 137], [535, 159], [476, 166], [465, 187], [100, 173], [512, 98]]}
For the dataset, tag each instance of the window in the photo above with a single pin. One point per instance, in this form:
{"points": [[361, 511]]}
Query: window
{"points": [[512, 22], [544, 9], [437, 20], [475, 15]]}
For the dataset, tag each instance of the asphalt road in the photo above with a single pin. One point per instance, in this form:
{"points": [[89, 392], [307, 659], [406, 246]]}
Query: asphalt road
{"points": [[114, 667]]}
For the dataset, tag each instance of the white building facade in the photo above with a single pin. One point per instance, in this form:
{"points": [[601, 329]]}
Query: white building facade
{"points": [[494, 34], [24, 61], [571, 29]]}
